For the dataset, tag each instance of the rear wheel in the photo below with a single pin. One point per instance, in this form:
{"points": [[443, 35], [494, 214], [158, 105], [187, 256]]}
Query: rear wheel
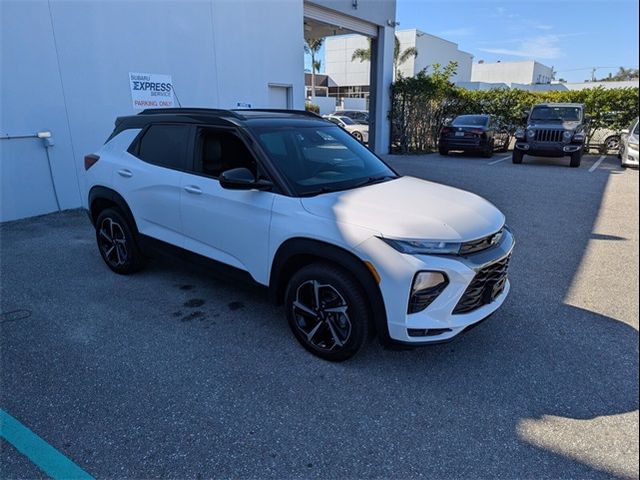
{"points": [[611, 143], [357, 135], [443, 151], [488, 152], [517, 156], [116, 243], [576, 159], [327, 311]]}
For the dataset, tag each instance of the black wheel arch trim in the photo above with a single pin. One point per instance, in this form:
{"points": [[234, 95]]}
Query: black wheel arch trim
{"points": [[285, 263], [98, 193]]}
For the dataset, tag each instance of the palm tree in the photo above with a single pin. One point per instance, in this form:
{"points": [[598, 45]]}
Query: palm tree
{"points": [[364, 55], [312, 47]]}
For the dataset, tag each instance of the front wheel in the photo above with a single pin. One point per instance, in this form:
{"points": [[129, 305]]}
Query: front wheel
{"points": [[116, 243], [327, 311], [517, 156], [576, 159]]}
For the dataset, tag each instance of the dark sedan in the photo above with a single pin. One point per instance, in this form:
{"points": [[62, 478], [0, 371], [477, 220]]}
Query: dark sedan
{"points": [[474, 133]]}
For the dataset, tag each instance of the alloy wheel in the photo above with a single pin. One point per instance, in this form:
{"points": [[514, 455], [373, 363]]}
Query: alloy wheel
{"points": [[112, 241], [320, 313]]}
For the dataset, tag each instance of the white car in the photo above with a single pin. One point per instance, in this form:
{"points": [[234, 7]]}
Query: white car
{"points": [[358, 130], [295, 203], [629, 145]]}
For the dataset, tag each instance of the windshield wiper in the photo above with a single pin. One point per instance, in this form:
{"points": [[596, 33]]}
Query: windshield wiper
{"points": [[547, 120], [371, 181]]}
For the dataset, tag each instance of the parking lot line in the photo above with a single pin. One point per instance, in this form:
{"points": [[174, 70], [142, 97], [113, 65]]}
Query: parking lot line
{"points": [[43, 455], [597, 164], [499, 160]]}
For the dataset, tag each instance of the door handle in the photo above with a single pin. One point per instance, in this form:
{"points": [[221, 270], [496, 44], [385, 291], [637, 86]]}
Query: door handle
{"points": [[193, 189], [125, 173]]}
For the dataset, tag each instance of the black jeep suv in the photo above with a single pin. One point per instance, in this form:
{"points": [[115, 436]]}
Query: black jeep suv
{"points": [[553, 130]]}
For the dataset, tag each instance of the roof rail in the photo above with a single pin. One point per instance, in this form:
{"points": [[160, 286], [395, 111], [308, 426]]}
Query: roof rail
{"points": [[276, 110], [189, 111]]}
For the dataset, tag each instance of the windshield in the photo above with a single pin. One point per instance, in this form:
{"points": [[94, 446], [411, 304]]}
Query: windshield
{"points": [[565, 114], [470, 121], [347, 120], [321, 159]]}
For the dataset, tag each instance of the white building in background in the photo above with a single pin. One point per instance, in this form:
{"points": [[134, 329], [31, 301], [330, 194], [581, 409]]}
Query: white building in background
{"points": [[527, 72], [65, 68], [352, 76], [433, 50]]}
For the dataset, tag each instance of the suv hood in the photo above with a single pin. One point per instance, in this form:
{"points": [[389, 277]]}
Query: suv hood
{"points": [[410, 208], [555, 125]]}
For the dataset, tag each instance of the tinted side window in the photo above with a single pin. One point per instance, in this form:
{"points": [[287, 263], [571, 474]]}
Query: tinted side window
{"points": [[220, 150], [166, 146]]}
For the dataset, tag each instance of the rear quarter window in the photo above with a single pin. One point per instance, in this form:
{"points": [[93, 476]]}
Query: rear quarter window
{"points": [[165, 146]]}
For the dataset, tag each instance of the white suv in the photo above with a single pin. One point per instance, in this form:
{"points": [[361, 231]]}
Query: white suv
{"points": [[297, 204]]}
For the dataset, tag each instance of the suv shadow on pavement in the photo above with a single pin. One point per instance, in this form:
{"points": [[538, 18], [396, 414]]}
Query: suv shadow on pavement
{"points": [[122, 373]]}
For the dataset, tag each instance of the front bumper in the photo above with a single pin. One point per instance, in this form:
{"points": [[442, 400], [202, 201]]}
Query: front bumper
{"points": [[630, 157], [548, 149], [397, 271]]}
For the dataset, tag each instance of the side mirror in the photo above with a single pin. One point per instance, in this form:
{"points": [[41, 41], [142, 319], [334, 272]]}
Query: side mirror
{"points": [[525, 115], [242, 179], [587, 119]]}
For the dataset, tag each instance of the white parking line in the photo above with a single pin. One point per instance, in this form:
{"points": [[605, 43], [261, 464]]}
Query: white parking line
{"points": [[597, 164], [499, 160]]}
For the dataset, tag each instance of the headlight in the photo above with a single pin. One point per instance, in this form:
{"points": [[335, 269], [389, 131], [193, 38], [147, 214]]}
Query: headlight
{"points": [[578, 137], [531, 133], [426, 287], [520, 134], [567, 136], [424, 247]]}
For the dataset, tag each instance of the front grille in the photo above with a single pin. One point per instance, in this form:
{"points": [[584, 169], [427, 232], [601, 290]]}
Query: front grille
{"points": [[480, 244], [549, 135], [485, 287]]}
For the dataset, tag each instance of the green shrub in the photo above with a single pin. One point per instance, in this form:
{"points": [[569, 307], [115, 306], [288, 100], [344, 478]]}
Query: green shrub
{"points": [[421, 104], [312, 107]]}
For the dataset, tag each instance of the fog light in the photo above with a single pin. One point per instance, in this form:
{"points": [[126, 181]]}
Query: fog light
{"points": [[425, 289], [426, 332]]}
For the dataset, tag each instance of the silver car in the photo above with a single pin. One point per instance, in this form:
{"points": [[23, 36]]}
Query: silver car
{"points": [[629, 145]]}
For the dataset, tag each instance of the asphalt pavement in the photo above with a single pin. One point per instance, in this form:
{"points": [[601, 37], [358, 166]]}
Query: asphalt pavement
{"points": [[174, 373]]}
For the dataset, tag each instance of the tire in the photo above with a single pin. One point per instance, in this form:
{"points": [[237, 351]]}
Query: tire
{"points": [[443, 151], [516, 158], [505, 146], [488, 153], [576, 159], [611, 143], [358, 136], [334, 335], [117, 243]]}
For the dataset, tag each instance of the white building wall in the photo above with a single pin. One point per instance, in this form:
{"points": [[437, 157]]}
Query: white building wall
{"points": [[337, 60], [65, 67], [431, 50], [525, 72], [434, 50]]}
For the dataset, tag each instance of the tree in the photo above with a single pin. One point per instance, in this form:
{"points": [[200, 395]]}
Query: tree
{"points": [[312, 47], [364, 55]]}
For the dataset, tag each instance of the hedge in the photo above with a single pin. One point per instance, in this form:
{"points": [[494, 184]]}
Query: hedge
{"points": [[421, 104]]}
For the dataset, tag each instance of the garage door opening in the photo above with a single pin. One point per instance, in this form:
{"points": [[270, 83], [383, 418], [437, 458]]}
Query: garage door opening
{"points": [[337, 80]]}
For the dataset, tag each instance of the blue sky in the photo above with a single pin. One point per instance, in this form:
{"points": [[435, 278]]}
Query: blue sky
{"points": [[570, 35]]}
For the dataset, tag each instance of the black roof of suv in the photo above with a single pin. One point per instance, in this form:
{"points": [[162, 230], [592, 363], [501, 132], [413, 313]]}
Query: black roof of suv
{"points": [[212, 116]]}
